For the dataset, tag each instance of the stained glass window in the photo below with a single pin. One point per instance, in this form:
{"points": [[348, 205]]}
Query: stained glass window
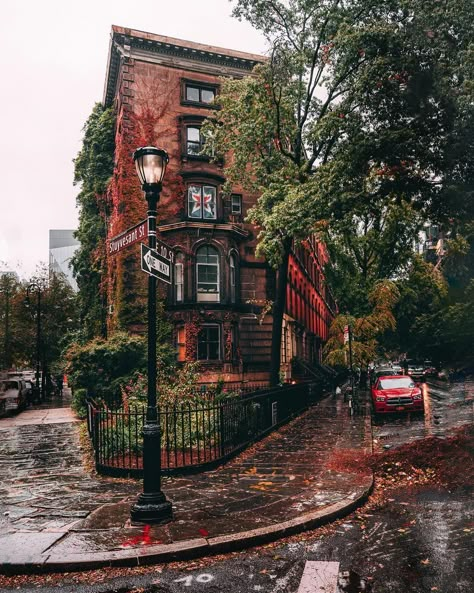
{"points": [[202, 202]]}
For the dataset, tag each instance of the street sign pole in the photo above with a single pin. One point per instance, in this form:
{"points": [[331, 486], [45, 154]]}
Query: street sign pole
{"points": [[152, 505], [350, 359]]}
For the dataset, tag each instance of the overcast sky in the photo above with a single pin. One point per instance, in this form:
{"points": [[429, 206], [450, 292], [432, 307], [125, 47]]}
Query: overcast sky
{"points": [[54, 57]]}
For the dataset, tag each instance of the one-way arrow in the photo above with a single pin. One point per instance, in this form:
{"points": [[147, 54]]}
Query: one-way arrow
{"points": [[155, 265]]}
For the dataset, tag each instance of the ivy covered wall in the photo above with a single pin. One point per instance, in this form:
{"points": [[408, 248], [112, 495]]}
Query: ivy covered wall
{"points": [[93, 169]]}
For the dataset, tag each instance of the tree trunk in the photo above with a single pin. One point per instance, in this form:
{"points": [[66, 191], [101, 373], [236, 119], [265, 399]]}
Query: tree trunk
{"points": [[278, 311]]}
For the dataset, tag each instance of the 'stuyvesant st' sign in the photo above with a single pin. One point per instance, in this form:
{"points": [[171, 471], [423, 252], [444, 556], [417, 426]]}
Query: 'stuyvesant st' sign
{"points": [[129, 237]]}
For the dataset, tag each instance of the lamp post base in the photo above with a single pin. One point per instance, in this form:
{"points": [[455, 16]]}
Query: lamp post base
{"points": [[151, 508]]}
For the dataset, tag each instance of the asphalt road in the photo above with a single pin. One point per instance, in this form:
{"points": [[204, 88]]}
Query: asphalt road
{"points": [[417, 541]]}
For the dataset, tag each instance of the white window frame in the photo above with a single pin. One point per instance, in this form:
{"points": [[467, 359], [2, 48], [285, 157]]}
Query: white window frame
{"points": [[233, 277], [238, 197], [208, 296]]}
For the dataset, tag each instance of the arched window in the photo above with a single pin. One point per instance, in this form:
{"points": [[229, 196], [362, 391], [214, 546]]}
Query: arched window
{"points": [[207, 274], [179, 278], [233, 278]]}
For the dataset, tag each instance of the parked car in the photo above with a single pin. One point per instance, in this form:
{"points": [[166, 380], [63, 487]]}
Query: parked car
{"points": [[381, 372], [14, 393], [429, 369], [396, 393], [416, 370]]}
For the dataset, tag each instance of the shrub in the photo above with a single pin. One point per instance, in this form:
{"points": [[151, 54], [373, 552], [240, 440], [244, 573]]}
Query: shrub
{"points": [[101, 367], [78, 403]]}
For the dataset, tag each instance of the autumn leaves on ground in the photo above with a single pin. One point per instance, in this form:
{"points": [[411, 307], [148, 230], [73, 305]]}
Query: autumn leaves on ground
{"points": [[446, 462]]}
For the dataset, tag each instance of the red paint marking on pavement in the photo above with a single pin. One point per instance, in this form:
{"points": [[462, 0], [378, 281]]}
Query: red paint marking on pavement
{"points": [[319, 577], [144, 539]]}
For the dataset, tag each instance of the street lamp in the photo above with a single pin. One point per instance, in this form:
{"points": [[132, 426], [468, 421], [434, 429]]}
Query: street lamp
{"points": [[35, 287], [151, 506]]}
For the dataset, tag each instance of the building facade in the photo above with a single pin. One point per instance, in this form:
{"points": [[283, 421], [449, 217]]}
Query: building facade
{"points": [[220, 301], [62, 246]]}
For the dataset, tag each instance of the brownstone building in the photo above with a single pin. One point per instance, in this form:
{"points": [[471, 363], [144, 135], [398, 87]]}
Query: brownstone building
{"points": [[219, 303]]}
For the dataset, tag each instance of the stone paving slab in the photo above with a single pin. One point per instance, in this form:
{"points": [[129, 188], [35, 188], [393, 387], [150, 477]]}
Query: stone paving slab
{"points": [[75, 519], [39, 416]]}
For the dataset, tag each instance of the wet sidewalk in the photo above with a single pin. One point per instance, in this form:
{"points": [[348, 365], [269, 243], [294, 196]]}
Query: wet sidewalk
{"points": [[56, 514]]}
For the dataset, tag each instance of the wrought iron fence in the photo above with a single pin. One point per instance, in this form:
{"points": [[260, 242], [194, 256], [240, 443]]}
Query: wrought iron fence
{"points": [[195, 434]]}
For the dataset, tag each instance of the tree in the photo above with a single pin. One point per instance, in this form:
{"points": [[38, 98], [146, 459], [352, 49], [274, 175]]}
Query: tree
{"points": [[93, 168], [9, 288], [353, 115], [366, 330]]}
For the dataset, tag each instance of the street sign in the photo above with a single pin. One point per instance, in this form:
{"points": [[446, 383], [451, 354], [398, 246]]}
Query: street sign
{"points": [[164, 250], [136, 233], [346, 334], [155, 264]]}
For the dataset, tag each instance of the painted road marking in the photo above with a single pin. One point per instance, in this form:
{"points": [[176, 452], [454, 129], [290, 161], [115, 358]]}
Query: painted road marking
{"points": [[319, 577]]}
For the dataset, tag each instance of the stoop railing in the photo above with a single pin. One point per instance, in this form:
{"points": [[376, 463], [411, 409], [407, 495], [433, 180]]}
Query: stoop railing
{"points": [[195, 435]]}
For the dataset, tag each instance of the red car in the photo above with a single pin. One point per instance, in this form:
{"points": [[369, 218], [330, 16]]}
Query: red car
{"points": [[396, 393]]}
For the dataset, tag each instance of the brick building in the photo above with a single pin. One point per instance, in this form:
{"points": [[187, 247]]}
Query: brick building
{"points": [[162, 89]]}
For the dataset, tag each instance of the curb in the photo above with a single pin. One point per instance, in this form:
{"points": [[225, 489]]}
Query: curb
{"points": [[194, 548]]}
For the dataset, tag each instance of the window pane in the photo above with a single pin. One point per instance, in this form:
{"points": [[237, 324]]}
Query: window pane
{"points": [[193, 148], [209, 202], [194, 134], [192, 93], [194, 201], [179, 279], [208, 343], [208, 278], [207, 255], [236, 204], [207, 95], [193, 140]]}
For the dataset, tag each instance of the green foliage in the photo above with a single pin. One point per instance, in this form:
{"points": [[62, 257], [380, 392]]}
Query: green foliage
{"points": [[176, 391], [366, 330], [359, 127], [346, 117], [93, 168], [101, 367], [78, 403], [18, 318]]}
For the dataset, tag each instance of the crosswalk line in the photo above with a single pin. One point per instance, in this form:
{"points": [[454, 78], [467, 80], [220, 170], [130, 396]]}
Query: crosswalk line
{"points": [[319, 577]]}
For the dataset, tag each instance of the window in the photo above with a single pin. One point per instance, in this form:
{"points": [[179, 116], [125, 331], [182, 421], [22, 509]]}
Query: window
{"points": [[232, 278], [202, 202], [209, 343], [179, 278], [236, 204], [197, 93], [181, 343], [207, 273], [194, 140]]}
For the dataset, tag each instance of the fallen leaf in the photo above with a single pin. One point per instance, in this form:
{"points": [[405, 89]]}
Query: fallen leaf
{"points": [[204, 532], [425, 561]]}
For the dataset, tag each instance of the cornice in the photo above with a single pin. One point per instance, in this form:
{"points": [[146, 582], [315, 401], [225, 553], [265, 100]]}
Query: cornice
{"points": [[205, 226], [175, 53]]}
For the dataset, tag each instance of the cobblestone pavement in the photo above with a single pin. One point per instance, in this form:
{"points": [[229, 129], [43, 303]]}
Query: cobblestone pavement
{"points": [[54, 511]]}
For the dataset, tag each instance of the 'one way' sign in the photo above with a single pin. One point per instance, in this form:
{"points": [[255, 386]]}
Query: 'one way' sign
{"points": [[155, 265]]}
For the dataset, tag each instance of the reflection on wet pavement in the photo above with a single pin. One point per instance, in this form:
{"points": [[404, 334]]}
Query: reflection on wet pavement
{"points": [[447, 407]]}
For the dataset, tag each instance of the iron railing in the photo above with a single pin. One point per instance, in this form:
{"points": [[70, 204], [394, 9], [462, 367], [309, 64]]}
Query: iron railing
{"points": [[196, 434]]}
